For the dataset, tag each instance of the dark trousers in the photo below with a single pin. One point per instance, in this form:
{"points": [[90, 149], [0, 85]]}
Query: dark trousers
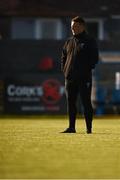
{"points": [[82, 88]]}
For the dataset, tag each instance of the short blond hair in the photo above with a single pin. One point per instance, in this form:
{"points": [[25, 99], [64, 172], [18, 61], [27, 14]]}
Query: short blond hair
{"points": [[79, 19]]}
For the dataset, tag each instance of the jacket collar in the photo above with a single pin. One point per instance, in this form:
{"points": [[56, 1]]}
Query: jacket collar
{"points": [[81, 35]]}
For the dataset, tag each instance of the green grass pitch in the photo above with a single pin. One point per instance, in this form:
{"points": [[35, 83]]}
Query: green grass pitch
{"points": [[35, 149]]}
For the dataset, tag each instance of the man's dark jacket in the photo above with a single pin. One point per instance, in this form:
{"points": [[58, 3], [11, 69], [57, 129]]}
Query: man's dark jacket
{"points": [[79, 57]]}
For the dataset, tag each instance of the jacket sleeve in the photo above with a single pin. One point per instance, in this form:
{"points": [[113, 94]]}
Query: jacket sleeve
{"points": [[93, 52], [63, 57]]}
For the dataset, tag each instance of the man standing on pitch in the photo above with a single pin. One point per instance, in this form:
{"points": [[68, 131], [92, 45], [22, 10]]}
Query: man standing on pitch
{"points": [[79, 57]]}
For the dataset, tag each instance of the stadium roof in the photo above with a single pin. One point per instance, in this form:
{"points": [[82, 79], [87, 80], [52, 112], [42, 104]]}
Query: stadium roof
{"points": [[53, 8]]}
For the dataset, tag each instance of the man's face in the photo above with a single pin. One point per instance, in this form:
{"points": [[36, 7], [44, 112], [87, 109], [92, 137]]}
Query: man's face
{"points": [[76, 28]]}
